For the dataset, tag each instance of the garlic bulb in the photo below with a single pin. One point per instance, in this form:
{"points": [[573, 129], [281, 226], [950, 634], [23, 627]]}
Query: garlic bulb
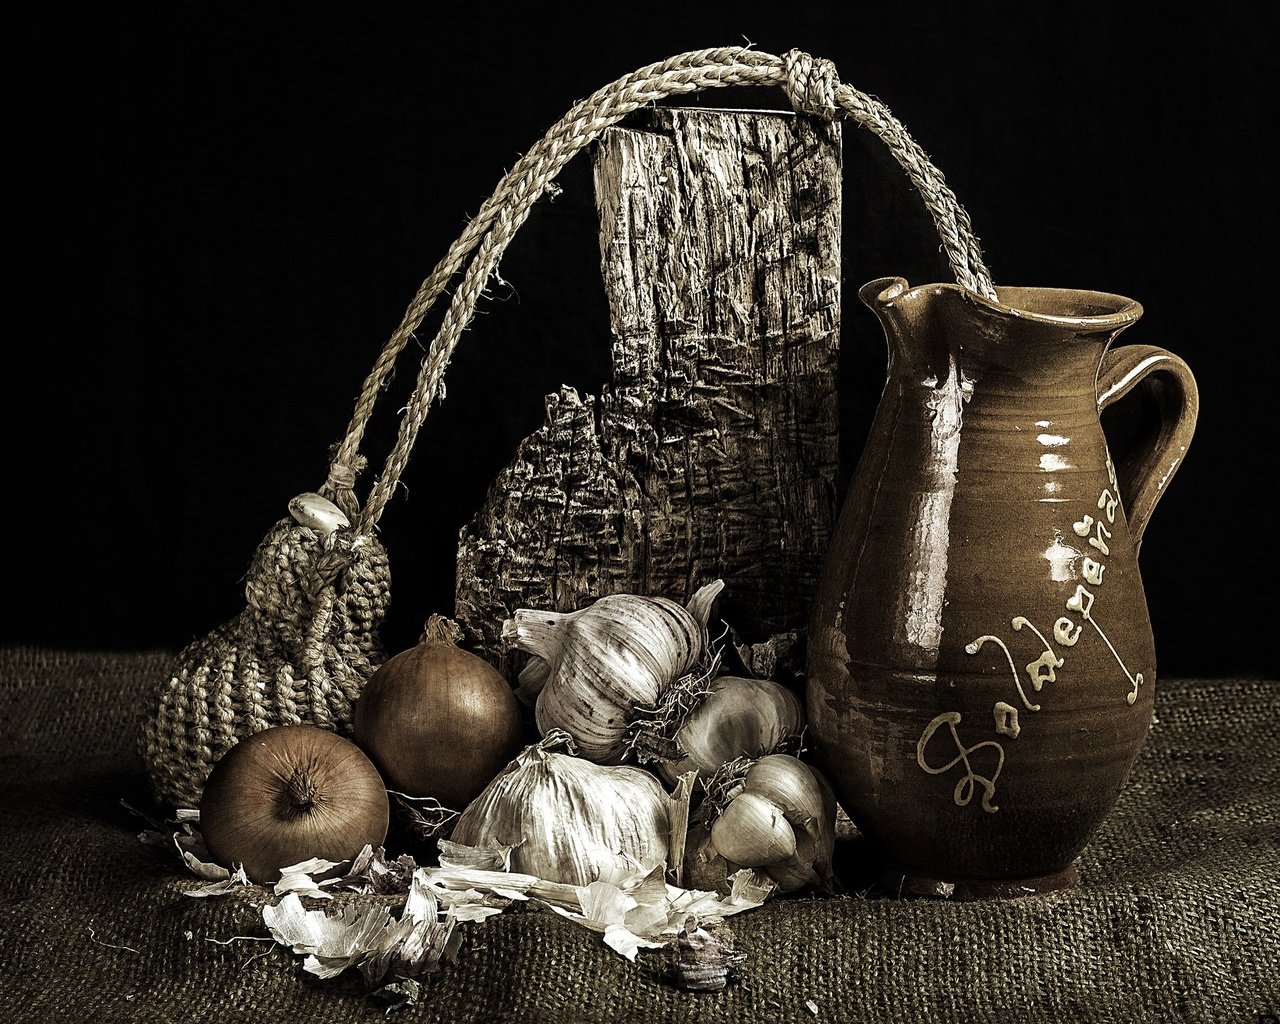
{"points": [[776, 814], [737, 717], [318, 512], [607, 660], [567, 819]]}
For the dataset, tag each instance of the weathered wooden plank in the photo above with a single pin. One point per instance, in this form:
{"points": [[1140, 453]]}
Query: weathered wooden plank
{"points": [[713, 453]]}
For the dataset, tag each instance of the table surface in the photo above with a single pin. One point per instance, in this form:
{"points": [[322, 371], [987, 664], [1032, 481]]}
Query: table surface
{"points": [[1176, 916]]}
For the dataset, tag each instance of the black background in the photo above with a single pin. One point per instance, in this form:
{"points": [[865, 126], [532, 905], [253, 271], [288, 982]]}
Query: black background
{"points": [[221, 213]]}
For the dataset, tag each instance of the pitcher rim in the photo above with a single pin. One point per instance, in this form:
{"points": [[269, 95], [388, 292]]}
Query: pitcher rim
{"points": [[1119, 310]]}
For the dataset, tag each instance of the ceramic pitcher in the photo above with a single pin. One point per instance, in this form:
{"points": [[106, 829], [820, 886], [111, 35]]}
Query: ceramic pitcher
{"points": [[981, 660]]}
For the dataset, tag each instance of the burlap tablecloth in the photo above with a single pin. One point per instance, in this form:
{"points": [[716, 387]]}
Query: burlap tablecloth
{"points": [[1177, 917]]}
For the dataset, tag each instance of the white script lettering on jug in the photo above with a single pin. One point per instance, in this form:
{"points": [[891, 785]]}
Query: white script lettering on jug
{"points": [[1066, 633]]}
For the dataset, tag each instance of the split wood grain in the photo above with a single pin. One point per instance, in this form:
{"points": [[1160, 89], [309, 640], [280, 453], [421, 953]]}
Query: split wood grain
{"points": [[713, 452]]}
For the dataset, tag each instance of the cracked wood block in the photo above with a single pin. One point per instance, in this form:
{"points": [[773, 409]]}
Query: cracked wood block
{"points": [[713, 452]]}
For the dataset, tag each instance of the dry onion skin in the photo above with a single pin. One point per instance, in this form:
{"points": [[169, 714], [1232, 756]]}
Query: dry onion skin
{"points": [[437, 720], [286, 794]]}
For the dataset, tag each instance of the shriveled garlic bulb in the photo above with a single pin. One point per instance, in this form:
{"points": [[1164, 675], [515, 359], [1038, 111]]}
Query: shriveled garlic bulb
{"points": [[605, 661], [567, 819], [776, 814], [735, 717]]}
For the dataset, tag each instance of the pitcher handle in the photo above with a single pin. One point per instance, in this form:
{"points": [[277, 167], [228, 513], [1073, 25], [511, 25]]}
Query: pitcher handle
{"points": [[1163, 440]]}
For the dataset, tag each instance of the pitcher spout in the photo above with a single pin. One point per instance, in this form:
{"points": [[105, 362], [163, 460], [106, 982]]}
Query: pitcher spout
{"points": [[919, 327], [882, 291]]}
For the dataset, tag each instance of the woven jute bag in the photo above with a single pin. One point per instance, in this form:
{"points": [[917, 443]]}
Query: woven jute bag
{"points": [[316, 594]]}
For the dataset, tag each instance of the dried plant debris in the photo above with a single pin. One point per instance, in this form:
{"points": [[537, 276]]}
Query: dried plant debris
{"points": [[367, 937], [626, 923], [396, 995], [235, 880], [489, 858], [424, 816], [372, 874], [781, 657], [303, 878], [640, 911], [181, 832], [678, 818], [703, 960]]}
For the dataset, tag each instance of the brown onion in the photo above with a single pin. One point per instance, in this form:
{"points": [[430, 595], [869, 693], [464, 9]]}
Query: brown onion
{"points": [[290, 793], [439, 721]]}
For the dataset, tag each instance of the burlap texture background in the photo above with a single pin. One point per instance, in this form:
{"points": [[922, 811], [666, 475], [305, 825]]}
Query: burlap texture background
{"points": [[1177, 918]]}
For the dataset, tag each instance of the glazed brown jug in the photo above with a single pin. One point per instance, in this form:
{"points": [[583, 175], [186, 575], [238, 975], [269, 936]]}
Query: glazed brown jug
{"points": [[981, 660]]}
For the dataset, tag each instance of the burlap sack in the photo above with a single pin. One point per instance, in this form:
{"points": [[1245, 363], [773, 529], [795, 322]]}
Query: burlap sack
{"points": [[1176, 919]]}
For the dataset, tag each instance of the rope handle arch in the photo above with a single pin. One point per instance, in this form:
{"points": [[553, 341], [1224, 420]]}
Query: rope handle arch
{"points": [[813, 87]]}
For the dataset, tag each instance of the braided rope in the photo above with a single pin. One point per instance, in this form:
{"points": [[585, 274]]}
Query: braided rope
{"points": [[813, 87]]}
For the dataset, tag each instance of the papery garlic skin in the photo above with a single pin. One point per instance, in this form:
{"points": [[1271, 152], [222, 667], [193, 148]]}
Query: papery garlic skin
{"points": [[604, 661], [570, 820]]}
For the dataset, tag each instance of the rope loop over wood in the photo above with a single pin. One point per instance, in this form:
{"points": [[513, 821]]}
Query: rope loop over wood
{"points": [[813, 87]]}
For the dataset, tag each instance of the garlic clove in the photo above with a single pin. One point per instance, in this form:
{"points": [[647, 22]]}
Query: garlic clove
{"points": [[810, 868], [806, 847], [826, 838], [799, 789], [823, 830], [752, 831], [798, 871], [318, 512], [792, 875], [790, 784], [532, 678]]}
